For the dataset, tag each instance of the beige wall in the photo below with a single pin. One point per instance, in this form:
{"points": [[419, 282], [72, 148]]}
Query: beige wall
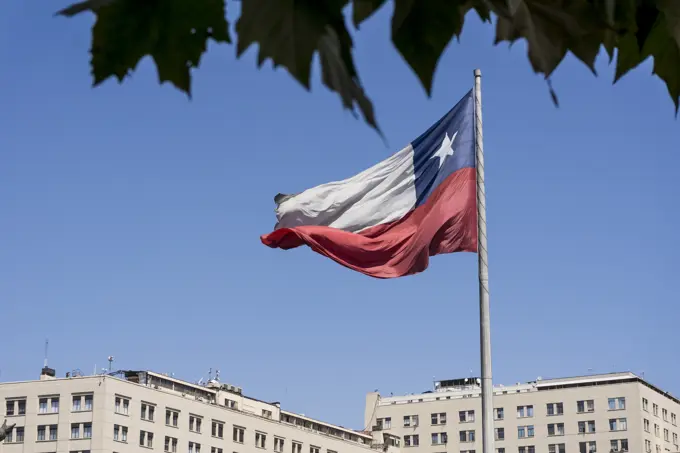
{"points": [[104, 417], [510, 399]]}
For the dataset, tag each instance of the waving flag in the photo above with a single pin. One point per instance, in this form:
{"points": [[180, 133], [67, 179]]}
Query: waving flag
{"points": [[388, 220]]}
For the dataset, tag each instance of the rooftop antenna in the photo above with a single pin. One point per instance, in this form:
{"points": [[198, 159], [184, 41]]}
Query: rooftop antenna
{"points": [[110, 359], [47, 343], [217, 375], [210, 375]]}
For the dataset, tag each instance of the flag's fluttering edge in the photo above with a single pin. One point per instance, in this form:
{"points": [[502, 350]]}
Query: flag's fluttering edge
{"points": [[388, 220]]}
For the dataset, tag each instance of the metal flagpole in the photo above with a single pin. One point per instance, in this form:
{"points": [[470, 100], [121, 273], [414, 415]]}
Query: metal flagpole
{"points": [[484, 320]]}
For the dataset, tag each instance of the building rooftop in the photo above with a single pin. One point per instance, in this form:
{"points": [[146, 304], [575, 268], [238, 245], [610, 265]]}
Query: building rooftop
{"points": [[217, 393], [471, 387]]}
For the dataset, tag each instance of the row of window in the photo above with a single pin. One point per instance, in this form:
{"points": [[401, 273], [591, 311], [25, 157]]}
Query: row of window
{"points": [[664, 412], [523, 432], [615, 446], [648, 447], [120, 434], [48, 405], [657, 431], [50, 432], [468, 416]]}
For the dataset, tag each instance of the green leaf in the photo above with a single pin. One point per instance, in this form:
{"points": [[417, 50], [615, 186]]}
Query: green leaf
{"points": [[287, 31], [550, 29], [421, 30], [339, 74], [663, 43], [290, 32], [363, 9], [628, 56], [173, 32], [87, 5]]}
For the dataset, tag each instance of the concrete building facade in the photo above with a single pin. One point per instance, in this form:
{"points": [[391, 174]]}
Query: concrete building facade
{"points": [[135, 411], [604, 413]]}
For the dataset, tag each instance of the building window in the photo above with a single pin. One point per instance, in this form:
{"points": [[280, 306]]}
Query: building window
{"points": [[466, 416], [231, 404], [586, 427], [556, 448], [500, 433], [313, 449], [675, 437], [218, 429], [664, 414], [674, 419], [617, 404], [55, 405], [76, 403], [170, 445], [215, 450], [195, 423], [498, 413], [438, 418], [87, 430], [555, 408], [171, 418], [666, 435], [41, 432], [410, 420], [194, 447], [145, 439], [123, 433], [618, 424], [260, 440], [467, 451], [120, 433], [88, 402], [42, 406], [587, 447], [15, 407], [656, 430], [655, 409], [75, 430], [527, 449], [648, 445], [239, 434], [500, 450], [8, 436], [439, 438], [645, 424], [467, 435], [122, 405], [147, 412], [53, 432], [585, 406], [385, 423], [266, 413], [645, 404], [278, 445], [296, 447], [412, 440], [556, 429], [525, 431], [525, 411], [15, 435]]}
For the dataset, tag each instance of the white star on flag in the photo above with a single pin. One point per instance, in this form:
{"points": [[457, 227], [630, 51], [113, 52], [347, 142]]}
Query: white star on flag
{"points": [[445, 149]]}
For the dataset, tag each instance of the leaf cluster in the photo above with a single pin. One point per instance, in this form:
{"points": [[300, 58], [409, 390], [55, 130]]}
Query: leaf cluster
{"points": [[290, 32]]}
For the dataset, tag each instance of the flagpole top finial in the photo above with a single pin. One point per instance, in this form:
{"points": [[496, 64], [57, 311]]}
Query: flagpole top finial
{"points": [[478, 72]]}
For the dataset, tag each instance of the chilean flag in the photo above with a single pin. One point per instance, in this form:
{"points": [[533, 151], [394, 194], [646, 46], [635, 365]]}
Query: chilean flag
{"points": [[388, 220]]}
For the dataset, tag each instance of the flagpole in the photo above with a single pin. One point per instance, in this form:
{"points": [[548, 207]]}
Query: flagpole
{"points": [[484, 318]]}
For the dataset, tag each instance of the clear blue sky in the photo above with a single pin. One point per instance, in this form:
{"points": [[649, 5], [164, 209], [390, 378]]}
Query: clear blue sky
{"points": [[130, 221]]}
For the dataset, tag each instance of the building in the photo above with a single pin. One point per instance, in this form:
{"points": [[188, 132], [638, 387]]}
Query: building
{"points": [[133, 411], [603, 413]]}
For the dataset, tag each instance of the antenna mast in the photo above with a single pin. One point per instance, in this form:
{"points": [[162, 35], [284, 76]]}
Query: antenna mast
{"points": [[47, 343]]}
